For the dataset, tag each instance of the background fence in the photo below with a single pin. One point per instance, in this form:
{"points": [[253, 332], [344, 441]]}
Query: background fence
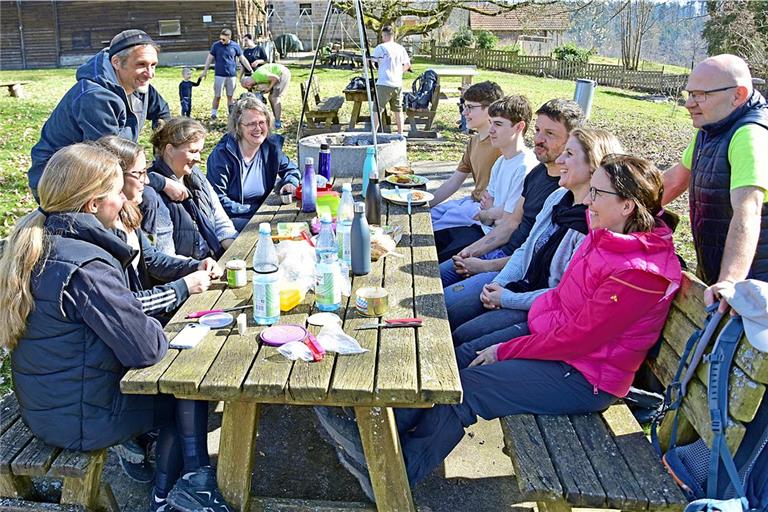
{"points": [[603, 74]]}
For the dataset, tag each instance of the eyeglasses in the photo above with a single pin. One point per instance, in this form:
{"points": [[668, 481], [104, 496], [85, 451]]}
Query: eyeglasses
{"points": [[470, 108], [137, 175], [593, 192], [254, 124], [701, 96]]}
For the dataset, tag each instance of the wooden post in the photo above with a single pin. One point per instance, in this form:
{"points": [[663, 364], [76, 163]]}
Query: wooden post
{"points": [[237, 450]]}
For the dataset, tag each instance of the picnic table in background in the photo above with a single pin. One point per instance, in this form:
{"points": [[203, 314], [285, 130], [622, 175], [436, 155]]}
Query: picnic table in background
{"points": [[407, 367], [466, 74]]}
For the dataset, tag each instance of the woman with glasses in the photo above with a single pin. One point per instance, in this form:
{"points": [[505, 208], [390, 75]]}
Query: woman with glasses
{"points": [[493, 307], [197, 225], [248, 162], [589, 335]]}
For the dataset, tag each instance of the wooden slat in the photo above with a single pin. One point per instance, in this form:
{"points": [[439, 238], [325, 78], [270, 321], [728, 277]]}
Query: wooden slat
{"points": [[12, 443], [581, 485], [438, 372], [535, 474], [661, 490], [74, 464], [35, 459], [621, 488], [9, 411]]}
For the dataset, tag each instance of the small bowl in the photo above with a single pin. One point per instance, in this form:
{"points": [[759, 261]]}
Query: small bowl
{"points": [[286, 198]]}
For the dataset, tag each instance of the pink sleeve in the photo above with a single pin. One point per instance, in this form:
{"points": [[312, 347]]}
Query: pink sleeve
{"points": [[615, 305]]}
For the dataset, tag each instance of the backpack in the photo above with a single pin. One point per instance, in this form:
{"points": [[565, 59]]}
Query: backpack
{"points": [[421, 91], [710, 476]]}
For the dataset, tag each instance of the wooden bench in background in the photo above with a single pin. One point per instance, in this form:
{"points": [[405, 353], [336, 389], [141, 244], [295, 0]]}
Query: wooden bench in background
{"points": [[15, 89], [605, 460], [23, 456], [426, 117], [323, 117]]}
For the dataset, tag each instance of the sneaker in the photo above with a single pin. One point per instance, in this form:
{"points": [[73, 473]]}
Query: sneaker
{"points": [[214, 117], [133, 460], [360, 472], [197, 491], [159, 504], [278, 125], [340, 429]]}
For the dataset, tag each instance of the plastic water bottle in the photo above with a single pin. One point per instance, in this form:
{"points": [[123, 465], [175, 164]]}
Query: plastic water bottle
{"points": [[373, 200], [324, 163], [369, 165], [344, 224], [361, 242], [327, 273], [266, 292], [309, 187]]}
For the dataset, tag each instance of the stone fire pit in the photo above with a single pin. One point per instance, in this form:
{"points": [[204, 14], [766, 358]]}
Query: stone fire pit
{"points": [[348, 151]]}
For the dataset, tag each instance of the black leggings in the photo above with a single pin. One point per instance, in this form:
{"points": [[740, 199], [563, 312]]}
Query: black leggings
{"points": [[182, 444]]}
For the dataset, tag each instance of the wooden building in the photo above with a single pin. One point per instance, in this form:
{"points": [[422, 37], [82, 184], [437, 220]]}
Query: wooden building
{"points": [[538, 29], [53, 33]]}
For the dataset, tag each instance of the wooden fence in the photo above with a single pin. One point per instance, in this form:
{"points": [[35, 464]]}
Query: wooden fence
{"points": [[603, 74]]}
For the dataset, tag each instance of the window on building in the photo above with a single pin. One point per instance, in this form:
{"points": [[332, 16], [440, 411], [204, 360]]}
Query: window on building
{"points": [[81, 40], [305, 9], [169, 27]]}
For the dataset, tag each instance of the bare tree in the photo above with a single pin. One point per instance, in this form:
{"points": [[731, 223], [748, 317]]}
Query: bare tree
{"points": [[636, 20]]}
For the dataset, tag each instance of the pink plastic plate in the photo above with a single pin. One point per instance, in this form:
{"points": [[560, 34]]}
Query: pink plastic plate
{"points": [[281, 334]]}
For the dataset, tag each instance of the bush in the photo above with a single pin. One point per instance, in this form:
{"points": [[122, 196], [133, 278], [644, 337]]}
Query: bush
{"points": [[512, 48], [486, 40], [572, 53], [464, 38]]}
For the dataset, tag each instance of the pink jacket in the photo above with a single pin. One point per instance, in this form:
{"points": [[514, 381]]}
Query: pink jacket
{"points": [[608, 309]]}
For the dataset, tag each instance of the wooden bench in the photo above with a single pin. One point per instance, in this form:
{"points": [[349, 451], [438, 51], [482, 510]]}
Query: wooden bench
{"points": [[605, 460], [425, 117], [323, 117], [23, 456], [15, 89]]}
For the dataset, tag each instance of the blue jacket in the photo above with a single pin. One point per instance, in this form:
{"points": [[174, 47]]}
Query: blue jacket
{"points": [[94, 107], [85, 331], [223, 171], [709, 193]]}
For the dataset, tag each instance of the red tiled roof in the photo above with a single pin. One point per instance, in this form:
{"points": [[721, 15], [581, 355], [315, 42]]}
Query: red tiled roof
{"points": [[528, 17]]}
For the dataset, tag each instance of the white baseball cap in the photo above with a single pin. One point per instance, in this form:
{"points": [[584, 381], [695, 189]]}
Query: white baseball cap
{"points": [[749, 298]]}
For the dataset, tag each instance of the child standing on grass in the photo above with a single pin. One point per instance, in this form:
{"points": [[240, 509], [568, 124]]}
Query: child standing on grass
{"points": [[185, 91]]}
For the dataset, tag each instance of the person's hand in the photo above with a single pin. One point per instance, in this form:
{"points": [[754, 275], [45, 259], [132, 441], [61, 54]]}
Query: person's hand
{"points": [[288, 188], [210, 266], [712, 295], [486, 356], [486, 201], [197, 282], [202, 75], [491, 295], [176, 191], [473, 266]]}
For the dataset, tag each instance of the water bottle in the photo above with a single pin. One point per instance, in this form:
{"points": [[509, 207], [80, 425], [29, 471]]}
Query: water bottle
{"points": [[344, 224], [361, 242], [309, 187], [369, 165], [324, 163], [328, 285], [266, 292], [373, 200]]}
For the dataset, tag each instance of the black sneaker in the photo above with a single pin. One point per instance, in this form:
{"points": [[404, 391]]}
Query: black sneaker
{"points": [[133, 460], [197, 491], [342, 430], [159, 504]]}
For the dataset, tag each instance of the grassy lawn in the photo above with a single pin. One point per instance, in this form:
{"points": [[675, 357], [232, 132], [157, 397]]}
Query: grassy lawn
{"points": [[657, 131], [645, 65]]}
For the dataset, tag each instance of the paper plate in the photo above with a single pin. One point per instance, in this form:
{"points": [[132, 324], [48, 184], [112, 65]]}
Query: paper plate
{"points": [[281, 334], [216, 320], [322, 319], [401, 196]]}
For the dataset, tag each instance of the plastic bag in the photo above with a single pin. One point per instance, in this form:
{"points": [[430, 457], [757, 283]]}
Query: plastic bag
{"points": [[296, 350], [297, 265], [333, 339]]}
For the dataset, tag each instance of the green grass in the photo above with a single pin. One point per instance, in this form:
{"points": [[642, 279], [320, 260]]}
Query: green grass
{"points": [[645, 65], [657, 131]]}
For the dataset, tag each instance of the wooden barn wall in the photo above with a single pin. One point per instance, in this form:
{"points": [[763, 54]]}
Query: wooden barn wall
{"points": [[10, 38], [39, 22]]}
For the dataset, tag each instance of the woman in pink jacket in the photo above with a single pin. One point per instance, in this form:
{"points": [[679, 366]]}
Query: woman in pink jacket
{"points": [[589, 335]]}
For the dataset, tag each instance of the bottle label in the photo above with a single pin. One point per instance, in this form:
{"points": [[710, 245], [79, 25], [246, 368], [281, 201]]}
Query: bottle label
{"points": [[266, 299], [328, 287]]}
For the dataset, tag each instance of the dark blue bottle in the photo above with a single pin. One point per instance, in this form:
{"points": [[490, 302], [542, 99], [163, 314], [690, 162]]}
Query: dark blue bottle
{"points": [[309, 187], [324, 162]]}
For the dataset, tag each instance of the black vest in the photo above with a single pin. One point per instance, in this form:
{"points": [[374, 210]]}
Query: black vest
{"points": [[709, 192]]}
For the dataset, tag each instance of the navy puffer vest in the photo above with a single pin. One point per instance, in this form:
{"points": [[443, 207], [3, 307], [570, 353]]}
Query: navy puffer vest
{"points": [[709, 192]]}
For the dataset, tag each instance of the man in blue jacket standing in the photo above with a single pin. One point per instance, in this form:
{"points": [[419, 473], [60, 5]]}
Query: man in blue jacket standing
{"points": [[112, 96]]}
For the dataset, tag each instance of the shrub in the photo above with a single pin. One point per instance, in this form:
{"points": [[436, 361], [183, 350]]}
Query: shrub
{"points": [[512, 48], [486, 40], [572, 53], [464, 38]]}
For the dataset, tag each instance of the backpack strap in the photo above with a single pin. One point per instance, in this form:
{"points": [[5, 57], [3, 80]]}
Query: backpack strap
{"points": [[720, 360]]}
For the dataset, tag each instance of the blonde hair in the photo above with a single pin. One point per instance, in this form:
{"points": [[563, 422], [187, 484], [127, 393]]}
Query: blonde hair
{"points": [[176, 131], [596, 144], [74, 175], [127, 152], [247, 101]]}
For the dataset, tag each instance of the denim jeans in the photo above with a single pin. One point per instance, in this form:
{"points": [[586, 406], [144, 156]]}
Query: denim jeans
{"points": [[462, 299], [491, 327], [448, 273]]}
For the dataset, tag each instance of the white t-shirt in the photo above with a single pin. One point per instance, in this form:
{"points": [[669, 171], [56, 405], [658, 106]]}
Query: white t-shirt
{"points": [[507, 177], [391, 57]]}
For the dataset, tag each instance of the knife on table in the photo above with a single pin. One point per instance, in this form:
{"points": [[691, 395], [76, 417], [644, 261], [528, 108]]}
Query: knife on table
{"points": [[198, 314], [392, 323]]}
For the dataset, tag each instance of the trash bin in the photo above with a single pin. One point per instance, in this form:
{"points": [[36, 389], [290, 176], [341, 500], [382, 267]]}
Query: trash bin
{"points": [[583, 95]]}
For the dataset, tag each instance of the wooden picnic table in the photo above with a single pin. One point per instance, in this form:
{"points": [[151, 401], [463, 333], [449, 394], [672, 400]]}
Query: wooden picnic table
{"points": [[407, 367], [465, 73], [358, 97]]}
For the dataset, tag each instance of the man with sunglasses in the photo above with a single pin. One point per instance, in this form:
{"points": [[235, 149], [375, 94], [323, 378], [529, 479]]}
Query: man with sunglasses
{"points": [[725, 170], [224, 53]]}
